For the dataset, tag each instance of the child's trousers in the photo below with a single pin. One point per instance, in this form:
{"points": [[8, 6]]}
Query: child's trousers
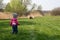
{"points": [[14, 29]]}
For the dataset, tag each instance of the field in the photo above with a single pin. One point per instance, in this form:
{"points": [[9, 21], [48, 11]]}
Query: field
{"points": [[41, 28]]}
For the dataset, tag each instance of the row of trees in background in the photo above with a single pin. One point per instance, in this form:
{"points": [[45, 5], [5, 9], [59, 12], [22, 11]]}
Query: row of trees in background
{"points": [[55, 11], [20, 6]]}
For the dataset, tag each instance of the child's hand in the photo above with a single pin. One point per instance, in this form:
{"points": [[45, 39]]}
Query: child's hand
{"points": [[18, 24]]}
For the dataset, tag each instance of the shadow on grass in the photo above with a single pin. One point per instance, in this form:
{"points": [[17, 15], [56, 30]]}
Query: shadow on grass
{"points": [[26, 23], [4, 24], [7, 23], [27, 35], [37, 36], [24, 34]]}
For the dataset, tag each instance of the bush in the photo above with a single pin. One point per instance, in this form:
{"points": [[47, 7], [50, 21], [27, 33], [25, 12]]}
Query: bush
{"points": [[55, 12]]}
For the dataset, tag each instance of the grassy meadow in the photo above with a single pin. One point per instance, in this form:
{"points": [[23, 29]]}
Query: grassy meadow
{"points": [[41, 28]]}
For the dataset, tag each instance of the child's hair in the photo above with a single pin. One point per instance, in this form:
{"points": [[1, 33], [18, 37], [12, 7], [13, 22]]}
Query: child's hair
{"points": [[15, 15]]}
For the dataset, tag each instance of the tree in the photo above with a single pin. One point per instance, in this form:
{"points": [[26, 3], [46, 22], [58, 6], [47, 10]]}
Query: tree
{"points": [[39, 7], [33, 6], [1, 1], [26, 2], [1, 5], [56, 12], [15, 6]]}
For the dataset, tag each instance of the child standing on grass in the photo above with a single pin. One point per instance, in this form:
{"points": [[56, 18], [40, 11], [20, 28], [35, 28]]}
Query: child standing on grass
{"points": [[14, 23]]}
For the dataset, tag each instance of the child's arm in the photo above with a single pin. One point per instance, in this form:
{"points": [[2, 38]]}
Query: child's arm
{"points": [[18, 23], [10, 22]]}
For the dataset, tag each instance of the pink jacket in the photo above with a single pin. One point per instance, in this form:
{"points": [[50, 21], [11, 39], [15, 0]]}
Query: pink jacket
{"points": [[15, 20]]}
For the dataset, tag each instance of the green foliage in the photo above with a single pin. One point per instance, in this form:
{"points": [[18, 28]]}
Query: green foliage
{"points": [[16, 6], [42, 28]]}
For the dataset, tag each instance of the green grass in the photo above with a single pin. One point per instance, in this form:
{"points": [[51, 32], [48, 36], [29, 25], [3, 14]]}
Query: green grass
{"points": [[41, 28]]}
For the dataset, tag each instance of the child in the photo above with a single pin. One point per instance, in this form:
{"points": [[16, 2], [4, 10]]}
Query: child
{"points": [[14, 23]]}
